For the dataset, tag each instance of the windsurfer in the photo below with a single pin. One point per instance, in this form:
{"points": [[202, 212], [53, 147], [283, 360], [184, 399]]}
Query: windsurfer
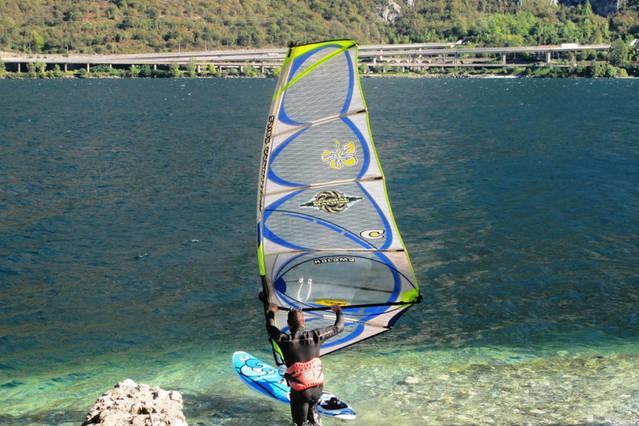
{"points": [[301, 349]]}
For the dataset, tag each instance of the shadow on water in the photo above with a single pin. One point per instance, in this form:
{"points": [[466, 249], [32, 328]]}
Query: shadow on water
{"points": [[199, 410], [57, 418], [220, 410]]}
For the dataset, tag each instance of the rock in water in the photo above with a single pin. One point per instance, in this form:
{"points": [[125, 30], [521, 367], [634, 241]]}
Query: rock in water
{"points": [[131, 404]]}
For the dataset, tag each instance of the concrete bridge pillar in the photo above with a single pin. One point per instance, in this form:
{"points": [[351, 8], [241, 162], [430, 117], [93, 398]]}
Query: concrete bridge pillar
{"points": [[19, 68], [155, 67], [198, 68], [503, 59], [65, 67], [548, 58], [88, 68]]}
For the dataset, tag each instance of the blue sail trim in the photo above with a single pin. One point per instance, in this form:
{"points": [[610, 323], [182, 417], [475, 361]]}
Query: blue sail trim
{"points": [[267, 233], [297, 63], [362, 142], [271, 173], [351, 80], [386, 223]]}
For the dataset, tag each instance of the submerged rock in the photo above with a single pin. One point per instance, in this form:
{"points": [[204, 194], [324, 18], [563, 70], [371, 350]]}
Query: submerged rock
{"points": [[129, 403]]}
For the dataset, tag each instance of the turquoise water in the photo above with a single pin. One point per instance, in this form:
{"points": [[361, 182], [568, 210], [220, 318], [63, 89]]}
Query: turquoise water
{"points": [[127, 217]]}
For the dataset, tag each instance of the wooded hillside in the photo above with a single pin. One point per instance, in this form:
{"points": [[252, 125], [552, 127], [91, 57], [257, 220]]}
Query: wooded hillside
{"points": [[110, 26]]}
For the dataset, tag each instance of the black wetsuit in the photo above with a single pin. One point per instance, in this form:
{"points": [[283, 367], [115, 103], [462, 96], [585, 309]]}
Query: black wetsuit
{"points": [[302, 346]]}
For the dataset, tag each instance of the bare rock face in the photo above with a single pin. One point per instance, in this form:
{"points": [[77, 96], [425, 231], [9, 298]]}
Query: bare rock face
{"points": [[129, 403], [389, 11]]}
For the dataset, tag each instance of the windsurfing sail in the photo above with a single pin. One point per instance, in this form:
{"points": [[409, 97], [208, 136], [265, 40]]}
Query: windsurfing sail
{"points": [[326, 232]]}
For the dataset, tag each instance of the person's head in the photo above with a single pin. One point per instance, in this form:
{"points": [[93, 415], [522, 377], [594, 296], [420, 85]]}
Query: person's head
{"points": [[295, 319]]}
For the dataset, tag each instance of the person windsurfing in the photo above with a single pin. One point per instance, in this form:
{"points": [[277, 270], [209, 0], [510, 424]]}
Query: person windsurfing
{"points": [[301, 349]]}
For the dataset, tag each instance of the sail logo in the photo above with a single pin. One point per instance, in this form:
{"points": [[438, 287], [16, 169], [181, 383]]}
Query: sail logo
{"points": [[373, 234], [267, 147], [340, 259], [342, 156], [331, 201]]}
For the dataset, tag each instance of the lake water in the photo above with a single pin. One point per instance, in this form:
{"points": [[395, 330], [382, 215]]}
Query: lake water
{"points": [[127, 249]]}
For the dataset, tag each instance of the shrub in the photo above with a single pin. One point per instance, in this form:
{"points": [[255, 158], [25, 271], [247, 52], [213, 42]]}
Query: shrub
{"points": [[134, 71], [32, 71], [174, 70], [619, 53], [56, 72], [146, 71], [191, 68], [249, 71]]}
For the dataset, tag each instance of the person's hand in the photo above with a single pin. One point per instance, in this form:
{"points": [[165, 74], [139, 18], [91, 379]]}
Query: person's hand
{"points": [[272, 308], [336, 308]]}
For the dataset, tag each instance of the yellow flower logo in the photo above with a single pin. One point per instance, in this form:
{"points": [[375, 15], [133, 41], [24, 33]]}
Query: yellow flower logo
{"points": [[343, 156]]}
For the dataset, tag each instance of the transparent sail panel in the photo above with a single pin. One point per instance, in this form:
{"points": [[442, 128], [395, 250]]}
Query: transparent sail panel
{"points": [[326, 232]]}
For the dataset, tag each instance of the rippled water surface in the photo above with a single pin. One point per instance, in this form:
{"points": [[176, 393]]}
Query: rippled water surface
{"points": [[127, 249]]}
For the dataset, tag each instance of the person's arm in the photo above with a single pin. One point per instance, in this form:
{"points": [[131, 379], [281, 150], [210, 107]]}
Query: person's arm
{"points": [[338, 327], [272, 330]]}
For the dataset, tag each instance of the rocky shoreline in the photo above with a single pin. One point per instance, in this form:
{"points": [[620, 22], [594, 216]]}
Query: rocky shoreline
{"points": [[129, 403]]}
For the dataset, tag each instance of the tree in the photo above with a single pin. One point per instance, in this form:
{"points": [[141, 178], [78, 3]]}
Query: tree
{"points": [[37, 41], [57, 72], [619, 53], [249, 71], [191, 68], [32, 71], [134, 71], [146, 71], [41, 69], [174, 69]]}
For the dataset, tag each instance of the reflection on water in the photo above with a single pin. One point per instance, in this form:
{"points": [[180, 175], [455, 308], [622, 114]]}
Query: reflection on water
{"points": [[127, 250]]}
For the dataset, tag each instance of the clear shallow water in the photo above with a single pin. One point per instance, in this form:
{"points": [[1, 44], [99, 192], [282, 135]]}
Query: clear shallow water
{"points": [[127, 249]]}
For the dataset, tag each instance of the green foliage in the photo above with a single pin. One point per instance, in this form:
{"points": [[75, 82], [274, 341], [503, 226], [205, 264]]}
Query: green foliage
{"points": [[619, 53], [119, 26], [146, 71], [213, 71], [56, 72], [603, 69], [40, 69], [32, 70], [174, 70], [3, 69], [101, 69], [191, 68], [37, 41], [249, 71], [134, 71]]}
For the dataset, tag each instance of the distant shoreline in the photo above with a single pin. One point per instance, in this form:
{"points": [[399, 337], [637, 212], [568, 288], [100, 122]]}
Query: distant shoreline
{"points": [[461, 76], [402, 60]]}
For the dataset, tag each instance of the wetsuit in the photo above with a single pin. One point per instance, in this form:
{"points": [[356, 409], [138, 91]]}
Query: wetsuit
{"points": [[302, 346]]}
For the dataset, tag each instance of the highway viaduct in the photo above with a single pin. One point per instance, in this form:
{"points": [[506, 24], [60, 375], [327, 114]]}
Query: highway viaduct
{"points": [[372, 57]]}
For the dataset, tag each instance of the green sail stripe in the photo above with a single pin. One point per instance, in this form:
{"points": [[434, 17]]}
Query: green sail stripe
{"points": [[311, 69]]}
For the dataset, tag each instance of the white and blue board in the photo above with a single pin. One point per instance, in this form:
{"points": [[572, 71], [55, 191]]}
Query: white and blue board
{"points": [[269, 381]]}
